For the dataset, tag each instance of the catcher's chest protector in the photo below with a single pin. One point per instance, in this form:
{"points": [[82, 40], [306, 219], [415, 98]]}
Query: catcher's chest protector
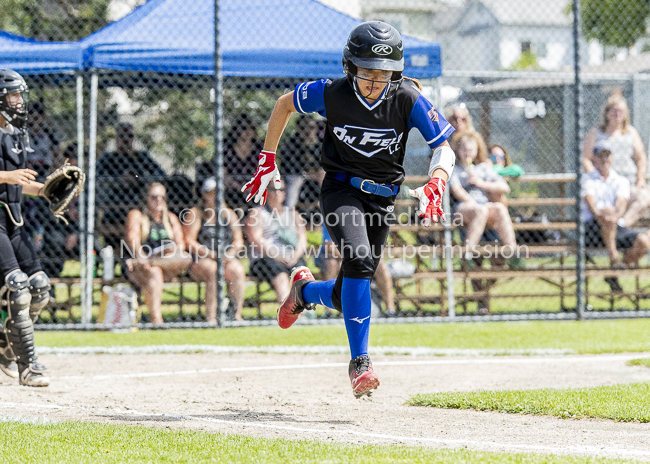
{"points": [[13, 158]]}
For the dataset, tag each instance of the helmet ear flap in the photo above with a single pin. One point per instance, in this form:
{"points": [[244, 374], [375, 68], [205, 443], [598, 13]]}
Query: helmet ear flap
{"points": [[349, 68]]}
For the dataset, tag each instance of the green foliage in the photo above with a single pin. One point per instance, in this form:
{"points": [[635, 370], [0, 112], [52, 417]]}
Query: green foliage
{"points": [[622, 403], [639, 362], [527, 62], [78, 442], [616, 23], [54, 20]]}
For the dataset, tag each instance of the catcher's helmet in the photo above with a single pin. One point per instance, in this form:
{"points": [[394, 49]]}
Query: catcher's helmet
{"points": [[10, 83], [375, 45]]}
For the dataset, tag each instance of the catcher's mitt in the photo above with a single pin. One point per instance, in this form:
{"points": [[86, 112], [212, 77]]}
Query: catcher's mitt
{"points": [[61, 186]]}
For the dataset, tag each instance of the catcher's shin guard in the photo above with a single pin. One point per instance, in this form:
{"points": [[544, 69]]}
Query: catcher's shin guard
{"points": [[7, 358], [39, 287], [15, 318]]}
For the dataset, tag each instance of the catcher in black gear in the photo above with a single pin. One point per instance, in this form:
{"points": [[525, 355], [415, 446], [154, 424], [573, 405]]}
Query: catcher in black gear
{"points": [[25, 287]]}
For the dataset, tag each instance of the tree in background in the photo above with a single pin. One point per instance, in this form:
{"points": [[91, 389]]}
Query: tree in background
{"points": [[614, 23], [59, 20]]}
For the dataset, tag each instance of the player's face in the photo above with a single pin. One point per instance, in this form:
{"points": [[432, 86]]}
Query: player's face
{"points": [[15, 100], [372, 82]]}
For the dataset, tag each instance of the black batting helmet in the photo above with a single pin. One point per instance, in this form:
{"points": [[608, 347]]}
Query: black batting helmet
{"points": [[375, 45], [10, 83]]}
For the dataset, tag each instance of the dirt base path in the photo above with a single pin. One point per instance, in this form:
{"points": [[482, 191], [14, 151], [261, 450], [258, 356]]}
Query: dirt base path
{"points": [[309, 397]]}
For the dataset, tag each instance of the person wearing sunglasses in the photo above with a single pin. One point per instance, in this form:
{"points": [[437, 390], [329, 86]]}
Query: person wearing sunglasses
{"points": [[502, 164], [155, 245]]}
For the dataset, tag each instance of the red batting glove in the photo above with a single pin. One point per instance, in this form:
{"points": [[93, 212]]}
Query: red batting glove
{"points": [[266, 170], [430, 196]]}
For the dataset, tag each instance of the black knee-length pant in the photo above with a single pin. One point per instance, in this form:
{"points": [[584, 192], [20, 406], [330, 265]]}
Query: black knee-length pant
{"points": [[358, 224], [16, 249]]}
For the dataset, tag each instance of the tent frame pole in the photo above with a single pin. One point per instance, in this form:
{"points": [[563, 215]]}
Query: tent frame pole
{"points": [[218, 164], [82, 196], [86, 315]]}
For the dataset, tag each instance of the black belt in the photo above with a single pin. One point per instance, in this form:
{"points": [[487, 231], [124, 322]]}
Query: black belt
{"points": [[368, 186]]}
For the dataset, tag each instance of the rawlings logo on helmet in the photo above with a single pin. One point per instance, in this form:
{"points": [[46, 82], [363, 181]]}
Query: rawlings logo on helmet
{"points": [[382, 49]]}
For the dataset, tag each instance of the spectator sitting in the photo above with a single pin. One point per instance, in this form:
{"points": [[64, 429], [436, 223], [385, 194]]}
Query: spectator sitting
{"points": [[44, 142], [200, 237], [278, 241], [300, 157], [502, 164], [460, 119], [628, 154], [605, 194], [121, 177], [241, 153], [471, 182], [155, 241], [329, 262]]}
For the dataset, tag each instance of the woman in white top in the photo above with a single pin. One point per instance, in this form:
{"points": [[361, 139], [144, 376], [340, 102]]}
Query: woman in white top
{"points": [[629, 156]]}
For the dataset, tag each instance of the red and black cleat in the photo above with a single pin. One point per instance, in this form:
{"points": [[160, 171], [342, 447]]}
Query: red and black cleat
{"points": [[293, 305], [362, 377]]}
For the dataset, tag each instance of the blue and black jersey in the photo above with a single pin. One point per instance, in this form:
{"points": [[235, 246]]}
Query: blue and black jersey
{"points": [[369, 140]]}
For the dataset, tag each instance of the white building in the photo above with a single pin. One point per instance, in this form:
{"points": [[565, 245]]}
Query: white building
{"points": [[493, 34]]}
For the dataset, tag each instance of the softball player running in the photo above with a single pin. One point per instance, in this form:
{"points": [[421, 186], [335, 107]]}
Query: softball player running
{"points": [[369, 115]]}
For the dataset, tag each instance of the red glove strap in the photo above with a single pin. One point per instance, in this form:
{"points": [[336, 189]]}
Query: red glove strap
{"points": [[270, 157]]}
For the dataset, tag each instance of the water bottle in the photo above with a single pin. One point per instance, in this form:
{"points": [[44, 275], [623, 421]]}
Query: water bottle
{"points": [[108, 263]]}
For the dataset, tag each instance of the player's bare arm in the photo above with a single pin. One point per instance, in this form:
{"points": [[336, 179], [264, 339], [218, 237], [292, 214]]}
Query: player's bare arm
{"points": [[191, 232], [33, 188], [267, 169], [640, 158], [588, 150], [278, 121]]}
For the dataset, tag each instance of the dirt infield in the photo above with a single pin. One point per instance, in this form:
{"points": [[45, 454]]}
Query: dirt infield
{"points": [[309, 397]]}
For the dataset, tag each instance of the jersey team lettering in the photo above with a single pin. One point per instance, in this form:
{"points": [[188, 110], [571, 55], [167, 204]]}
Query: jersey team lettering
{"points": [[363, 140]]}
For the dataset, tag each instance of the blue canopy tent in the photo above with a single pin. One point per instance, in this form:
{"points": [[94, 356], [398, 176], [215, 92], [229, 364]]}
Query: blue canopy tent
{"points": [[35, 57], [264, 38]]}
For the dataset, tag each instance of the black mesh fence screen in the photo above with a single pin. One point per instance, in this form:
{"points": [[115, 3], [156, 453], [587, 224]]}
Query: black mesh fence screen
{"points": [[502, 76]]}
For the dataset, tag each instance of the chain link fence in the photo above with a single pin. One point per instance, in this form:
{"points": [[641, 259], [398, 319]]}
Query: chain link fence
{"points": [[138, 91]]}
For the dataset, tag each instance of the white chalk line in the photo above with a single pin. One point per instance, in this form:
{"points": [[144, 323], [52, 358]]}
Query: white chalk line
{"points": [[432, 362], [296, 349], [475, 444]]}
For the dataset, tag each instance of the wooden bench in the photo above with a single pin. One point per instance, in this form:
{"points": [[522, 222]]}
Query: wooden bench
{"points": [[188, 308], [552, 263]]}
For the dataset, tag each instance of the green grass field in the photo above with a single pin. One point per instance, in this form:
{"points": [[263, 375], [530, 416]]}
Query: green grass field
{"points": [[639, 362], [74, 442], [616, 336], [622, 403]]}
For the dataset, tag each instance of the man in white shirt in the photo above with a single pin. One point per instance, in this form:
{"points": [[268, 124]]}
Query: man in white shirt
{"points": [[605, 196]]}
